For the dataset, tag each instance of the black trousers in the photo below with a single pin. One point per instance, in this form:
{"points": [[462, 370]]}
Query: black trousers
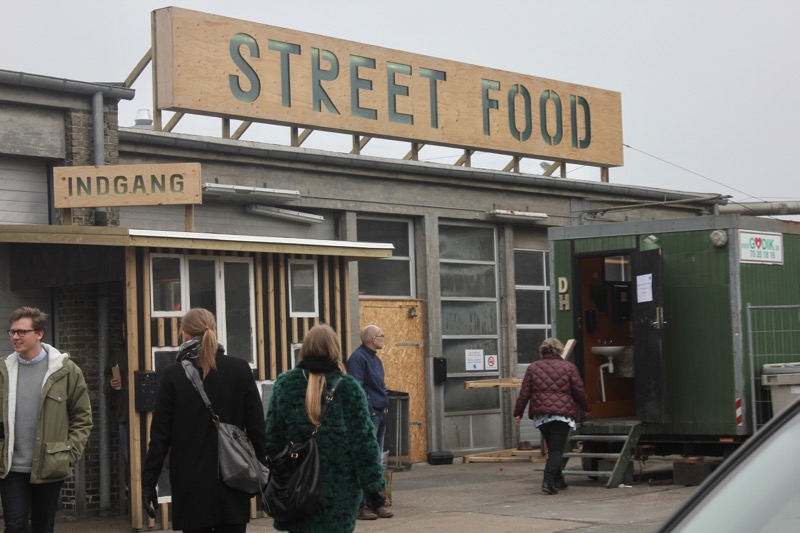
{"points": [[555, 435], [23, 500]]}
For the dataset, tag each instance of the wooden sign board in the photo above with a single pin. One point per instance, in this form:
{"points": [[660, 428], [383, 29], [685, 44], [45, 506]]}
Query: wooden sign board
{"points": [[212, 65], [121, 185]]}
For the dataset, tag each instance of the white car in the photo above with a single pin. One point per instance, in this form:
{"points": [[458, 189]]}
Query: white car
{"points": [[756, 490]]}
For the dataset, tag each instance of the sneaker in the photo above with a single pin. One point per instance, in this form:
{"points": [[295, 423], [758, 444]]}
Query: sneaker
{"points": [[365, 513], [383, 512]]}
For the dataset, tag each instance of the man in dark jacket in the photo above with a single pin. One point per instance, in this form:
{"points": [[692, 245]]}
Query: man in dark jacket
{"points": [[552, 385], [366, 367]]}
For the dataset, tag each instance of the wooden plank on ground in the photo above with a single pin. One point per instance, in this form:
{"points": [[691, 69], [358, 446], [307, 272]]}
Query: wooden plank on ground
{"points": [[500, 456]]}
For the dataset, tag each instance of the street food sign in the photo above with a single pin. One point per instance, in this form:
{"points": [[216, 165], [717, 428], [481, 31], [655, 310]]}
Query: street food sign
{"points": [[760, 247], [123, 185], [218, 66]]}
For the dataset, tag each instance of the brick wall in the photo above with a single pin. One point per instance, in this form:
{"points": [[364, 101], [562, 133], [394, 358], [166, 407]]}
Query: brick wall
{"points": [[77, 309], [80, 152]]}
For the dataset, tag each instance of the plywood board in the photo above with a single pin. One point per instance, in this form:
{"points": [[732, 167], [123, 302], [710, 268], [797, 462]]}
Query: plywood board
{"points": [[403, 360], [213, 65]]}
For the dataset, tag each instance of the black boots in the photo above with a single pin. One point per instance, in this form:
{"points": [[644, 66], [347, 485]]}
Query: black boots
{"points": [[549, 488]]}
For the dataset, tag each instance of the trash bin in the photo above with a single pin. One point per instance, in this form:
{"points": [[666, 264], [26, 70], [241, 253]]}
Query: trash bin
{"points": [[783, 380], [397, 432]]}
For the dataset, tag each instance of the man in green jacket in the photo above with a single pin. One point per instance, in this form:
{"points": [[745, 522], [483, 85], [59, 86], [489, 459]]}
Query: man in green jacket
{"points": [[46, 421]]}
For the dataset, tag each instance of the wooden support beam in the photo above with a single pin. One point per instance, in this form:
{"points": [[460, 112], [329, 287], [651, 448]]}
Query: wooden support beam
{"points": [[299, 138], [240, 130], [553, 167], [604, 174], [466, 159], [188, 217], [413, 154], [226, 128], [174, 121], [138, 69], [513, 165], [359, 143]]}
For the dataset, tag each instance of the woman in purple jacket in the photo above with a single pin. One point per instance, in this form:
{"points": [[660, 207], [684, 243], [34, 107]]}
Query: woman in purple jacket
{"points": [[552, 385]]}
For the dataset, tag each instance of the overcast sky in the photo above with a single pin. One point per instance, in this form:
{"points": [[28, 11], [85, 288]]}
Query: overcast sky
{"points": [[709, 88]]}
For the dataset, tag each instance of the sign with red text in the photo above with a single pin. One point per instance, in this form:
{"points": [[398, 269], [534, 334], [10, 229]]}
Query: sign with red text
{"points": [[760, 247]]}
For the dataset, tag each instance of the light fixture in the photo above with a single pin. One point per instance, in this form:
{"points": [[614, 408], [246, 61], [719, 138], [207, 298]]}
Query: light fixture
{"points": [[545, 165], [412, 312], [517, 216], [287, 214], [241, 193], [651, 239], [718, 237]]}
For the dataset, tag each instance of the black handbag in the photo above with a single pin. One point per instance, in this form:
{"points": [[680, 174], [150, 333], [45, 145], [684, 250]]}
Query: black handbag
{"points": [[239, 468], [296, 488]]}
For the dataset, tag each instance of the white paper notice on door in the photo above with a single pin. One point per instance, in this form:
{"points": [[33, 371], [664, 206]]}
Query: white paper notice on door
{"points": [[474, 359], [644, 288]]}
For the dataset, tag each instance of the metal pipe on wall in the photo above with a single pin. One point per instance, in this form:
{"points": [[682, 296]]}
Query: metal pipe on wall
{"points": [[101, 219]]}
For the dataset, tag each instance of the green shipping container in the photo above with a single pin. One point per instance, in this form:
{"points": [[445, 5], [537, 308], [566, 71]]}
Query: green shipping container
{"points": [[689, 310]]}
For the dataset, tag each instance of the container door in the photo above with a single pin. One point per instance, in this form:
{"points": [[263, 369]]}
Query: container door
{"points": [[648, 336]]}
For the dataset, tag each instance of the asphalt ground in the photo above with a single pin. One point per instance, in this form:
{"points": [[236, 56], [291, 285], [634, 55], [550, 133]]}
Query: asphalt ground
{"points": [[496, 498]]}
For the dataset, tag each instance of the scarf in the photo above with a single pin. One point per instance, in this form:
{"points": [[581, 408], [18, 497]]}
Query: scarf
{"points": [[191, 349]]}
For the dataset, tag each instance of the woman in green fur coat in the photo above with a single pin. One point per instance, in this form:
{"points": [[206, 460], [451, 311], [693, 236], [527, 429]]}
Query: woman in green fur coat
{"points": [[349, 454]]}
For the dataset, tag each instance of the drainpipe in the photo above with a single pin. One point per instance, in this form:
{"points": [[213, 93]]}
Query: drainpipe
{"points": [[101, 219], [98, 136]]}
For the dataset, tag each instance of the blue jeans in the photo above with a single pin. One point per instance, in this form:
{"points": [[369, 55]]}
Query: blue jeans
{"points": [[23, 500], [379, 421]]}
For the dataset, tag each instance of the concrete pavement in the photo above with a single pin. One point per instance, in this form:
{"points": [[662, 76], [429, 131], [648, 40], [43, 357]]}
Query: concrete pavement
{"points": [[496, 497]]}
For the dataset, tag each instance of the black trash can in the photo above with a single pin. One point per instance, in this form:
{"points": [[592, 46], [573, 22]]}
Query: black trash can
{"points": [[397, 432]]}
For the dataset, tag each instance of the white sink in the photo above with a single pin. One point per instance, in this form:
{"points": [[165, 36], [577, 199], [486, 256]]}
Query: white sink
{"points": [[608, 351]]}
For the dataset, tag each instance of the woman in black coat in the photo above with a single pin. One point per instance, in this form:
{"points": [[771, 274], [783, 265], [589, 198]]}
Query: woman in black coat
{"points": [[182, 428]]}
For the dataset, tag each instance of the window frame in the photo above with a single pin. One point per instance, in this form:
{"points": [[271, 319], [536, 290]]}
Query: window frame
{"points": [[410, 259], [497, 336], [315, 277], [547, 326], [219, 291]]}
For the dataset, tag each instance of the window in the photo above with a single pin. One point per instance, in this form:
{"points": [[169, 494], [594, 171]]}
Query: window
{"points": [[223, 285], [165, 280], [470, 314], [392, 276], [303, 299], [533, 303]]}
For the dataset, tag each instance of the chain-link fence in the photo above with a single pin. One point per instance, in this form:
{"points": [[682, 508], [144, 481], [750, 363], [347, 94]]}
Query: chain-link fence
{"points": [[774, 337]]}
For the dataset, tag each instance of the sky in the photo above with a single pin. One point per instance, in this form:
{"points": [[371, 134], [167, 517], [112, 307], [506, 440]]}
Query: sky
{"points": [[709, 88]]}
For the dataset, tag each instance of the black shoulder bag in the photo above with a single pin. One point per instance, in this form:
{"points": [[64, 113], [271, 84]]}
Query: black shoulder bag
{"points": [[296, 488], [239, 468]]}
